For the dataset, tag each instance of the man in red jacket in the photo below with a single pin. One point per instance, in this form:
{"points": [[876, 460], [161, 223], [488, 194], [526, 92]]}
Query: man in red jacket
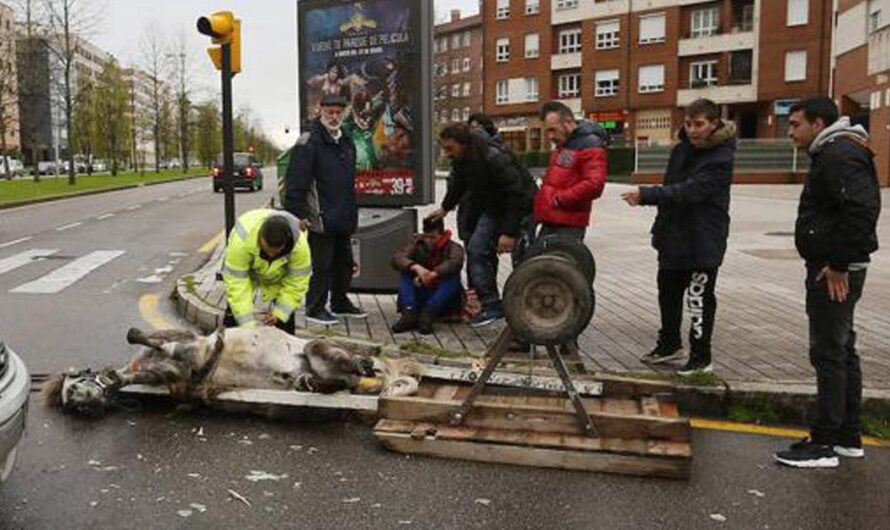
{"points": [[576, 174]]}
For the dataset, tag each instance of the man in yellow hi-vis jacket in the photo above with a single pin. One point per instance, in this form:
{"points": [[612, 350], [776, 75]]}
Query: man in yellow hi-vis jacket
{"points": [[266, 250]]}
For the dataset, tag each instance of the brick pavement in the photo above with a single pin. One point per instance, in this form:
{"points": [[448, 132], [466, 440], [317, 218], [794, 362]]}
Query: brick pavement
{"points": [[761, 328]]}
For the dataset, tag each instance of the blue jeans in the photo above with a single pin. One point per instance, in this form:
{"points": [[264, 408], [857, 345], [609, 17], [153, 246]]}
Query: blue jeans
{"points": [[482, 259], [441, 300]]}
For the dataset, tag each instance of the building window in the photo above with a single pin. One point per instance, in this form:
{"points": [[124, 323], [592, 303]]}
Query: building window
{"points": [[503, 9], [455, 115], [702, 74], [502, 50], [445, 68], [531, 89], [798, 12], [606, 83], [652, 29], [874, 21], [455, 41], [466, 114], [532, 7], [704, 22], [569, 86], [796, 65], [468, 37], [455, 90], [466, 65], [532, 46], [466, 90], [740, 63], [502, 92], [651, 78], [608, 35], [444, 116], [570, 41], [566, 4], [455, 65], [443, 44]]}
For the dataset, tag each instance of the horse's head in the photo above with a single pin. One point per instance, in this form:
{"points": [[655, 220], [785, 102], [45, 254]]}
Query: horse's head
{"points": [[85, 392]]}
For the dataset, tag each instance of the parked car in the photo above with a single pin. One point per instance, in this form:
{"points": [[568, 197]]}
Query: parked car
{"points": [[99, 166], [16, 169], [48, 167], [15, 385], [248, 173]]}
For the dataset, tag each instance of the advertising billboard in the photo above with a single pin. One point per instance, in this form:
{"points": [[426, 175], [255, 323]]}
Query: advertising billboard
{"points": [[376, 54]]}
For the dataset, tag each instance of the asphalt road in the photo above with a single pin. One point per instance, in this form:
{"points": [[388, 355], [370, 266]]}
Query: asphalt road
{"points": [[159, 467]]}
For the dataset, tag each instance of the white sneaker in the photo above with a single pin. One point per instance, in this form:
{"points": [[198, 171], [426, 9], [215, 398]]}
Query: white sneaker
{"points": [[849, 452]]}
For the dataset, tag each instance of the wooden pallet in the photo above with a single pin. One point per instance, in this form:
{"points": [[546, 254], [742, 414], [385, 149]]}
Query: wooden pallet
{"points": [[638, 434]]}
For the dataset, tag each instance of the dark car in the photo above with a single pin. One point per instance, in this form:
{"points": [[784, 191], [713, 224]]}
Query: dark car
{"points": [[248, 173]]}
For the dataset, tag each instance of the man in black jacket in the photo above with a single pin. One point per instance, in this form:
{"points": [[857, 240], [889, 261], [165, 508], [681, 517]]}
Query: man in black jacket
{"points": [[321, 192], [503, 192], [690, 232], [835, 234]]}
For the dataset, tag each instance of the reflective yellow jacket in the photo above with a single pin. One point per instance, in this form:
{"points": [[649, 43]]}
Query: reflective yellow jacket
{"points": [[284, 281]]}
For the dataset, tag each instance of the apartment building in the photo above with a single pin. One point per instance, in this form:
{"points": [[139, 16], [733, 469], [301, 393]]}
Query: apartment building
{"points": [[9, 108], [458, 68], [633, 64], [861, 71]]}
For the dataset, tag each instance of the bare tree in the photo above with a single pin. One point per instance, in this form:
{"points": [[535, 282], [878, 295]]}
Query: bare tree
{"points": [[30, 48], [153, 62], [9, 100], [180, 57], [113, 99], [68, 22]]}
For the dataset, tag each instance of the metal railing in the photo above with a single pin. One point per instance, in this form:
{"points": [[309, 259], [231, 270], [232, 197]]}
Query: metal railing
{"points": [[752, 156]]}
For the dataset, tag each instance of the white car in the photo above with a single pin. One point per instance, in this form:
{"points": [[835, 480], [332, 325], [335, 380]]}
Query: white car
{"points": [[15, 385]]}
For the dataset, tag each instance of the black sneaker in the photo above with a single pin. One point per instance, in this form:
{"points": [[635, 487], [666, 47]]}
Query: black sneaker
{"points": [[850, 447], [664, 354], [696, 366], [425, 322], [348, 310], [486, 317], [407, 322], [322, 317], [808, 454]]}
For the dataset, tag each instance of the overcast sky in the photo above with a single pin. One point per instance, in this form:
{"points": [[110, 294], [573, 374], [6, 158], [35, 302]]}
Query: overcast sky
{"points": [[267, 83]]}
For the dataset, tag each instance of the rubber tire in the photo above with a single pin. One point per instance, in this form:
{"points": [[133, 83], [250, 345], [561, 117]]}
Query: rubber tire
{"points": [[557, 269], [566, 247]]}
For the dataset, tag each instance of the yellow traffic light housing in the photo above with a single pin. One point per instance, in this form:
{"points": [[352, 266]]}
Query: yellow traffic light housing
{"points": [[224, 29]]}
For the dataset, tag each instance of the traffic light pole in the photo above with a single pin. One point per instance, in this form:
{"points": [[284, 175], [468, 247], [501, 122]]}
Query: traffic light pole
{"points": [[228, 139]]}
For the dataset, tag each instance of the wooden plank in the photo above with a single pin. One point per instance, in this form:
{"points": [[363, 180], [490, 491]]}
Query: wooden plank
{"points": [[536, 439], [511, 379], [536, 418], [668, 409], [276, 397], [646, 466]]}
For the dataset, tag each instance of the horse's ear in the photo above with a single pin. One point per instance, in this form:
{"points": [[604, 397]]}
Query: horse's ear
{"points": [[51, 391]]}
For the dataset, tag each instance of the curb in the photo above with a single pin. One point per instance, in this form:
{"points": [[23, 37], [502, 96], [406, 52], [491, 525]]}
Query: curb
{"points": [[53, 198], [768, 403]]}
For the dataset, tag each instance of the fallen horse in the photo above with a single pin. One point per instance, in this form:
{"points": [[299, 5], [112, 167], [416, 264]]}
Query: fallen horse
{"points": [[194, 367]]}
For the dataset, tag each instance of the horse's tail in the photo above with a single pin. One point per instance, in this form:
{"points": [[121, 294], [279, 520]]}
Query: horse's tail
{"points": [[51, 391]]}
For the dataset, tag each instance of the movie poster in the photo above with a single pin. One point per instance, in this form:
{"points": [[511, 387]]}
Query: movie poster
{"points": [[370, 53]]}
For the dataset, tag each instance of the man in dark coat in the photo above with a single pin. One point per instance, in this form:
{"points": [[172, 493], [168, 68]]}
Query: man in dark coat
{"points": [[503, 191], [320, 191], [690, 232], [835, 234], [430, 278]]}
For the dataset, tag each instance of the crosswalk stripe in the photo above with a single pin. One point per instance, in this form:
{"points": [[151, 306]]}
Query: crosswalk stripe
{"points": [[23, 258], [16, 241], [61, 278]]}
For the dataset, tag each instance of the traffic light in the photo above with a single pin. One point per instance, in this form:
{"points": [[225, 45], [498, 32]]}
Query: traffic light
{"points": [[224, 29]]}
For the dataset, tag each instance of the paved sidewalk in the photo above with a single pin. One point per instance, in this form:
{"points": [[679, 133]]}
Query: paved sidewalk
{"points": [[761, 331]]}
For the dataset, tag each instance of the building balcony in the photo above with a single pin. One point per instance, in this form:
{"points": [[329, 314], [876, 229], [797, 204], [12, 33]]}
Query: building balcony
{"points": [[719, 94], [588, 9], [726, 42], [565, 61]]}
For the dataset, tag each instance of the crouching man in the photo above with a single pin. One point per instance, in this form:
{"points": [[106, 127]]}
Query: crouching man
{"points": [[430, 283], [266, 251]]}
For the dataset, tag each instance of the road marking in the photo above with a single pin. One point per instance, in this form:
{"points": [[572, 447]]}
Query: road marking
{"points": [[148, 308], [104, 216], [63, 277], [212, 242], [134, 207], [16, 241], [24, 258], [66, 227], [783, 432]]}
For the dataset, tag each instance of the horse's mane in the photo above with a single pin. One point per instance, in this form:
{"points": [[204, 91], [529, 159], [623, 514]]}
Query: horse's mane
{"points": [[51, 391]]}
